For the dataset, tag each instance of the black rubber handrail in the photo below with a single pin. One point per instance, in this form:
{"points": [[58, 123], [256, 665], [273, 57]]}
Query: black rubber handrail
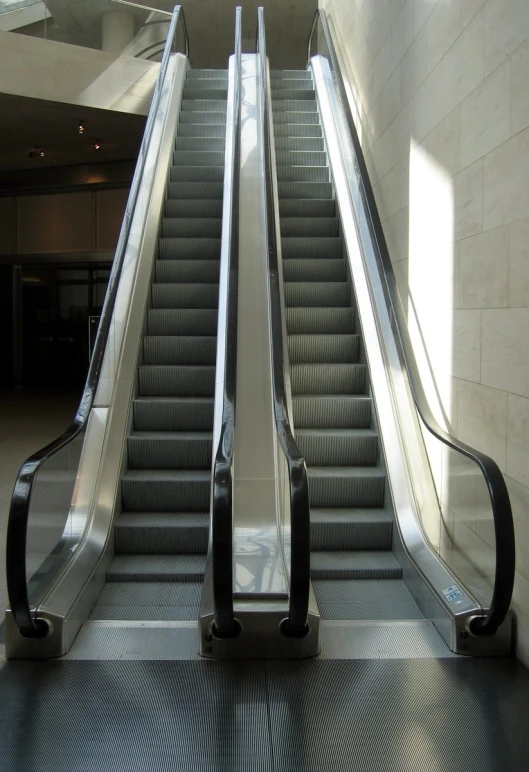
{"points": [[28, 624], [222, 500], [296, 625], [499, 496]]}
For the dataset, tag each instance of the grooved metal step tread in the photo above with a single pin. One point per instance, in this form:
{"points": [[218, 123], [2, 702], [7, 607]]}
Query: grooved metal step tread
{"points": [[196, 173], [353, 529], [192, 295], [206, 72], [309, 226], [297, 129], [179, 350], [285, 81], [300, 190], [320, 349], [301, 158], [155, 520], [285, 91], [189, 249], [347, 486], [184, 191], [200, 143], [357, 564], [202, 130], [307, 207], [203, 106], [173, 413], [194, 158], [194, 208], [157, 568], [338, 447], [321, 248], [303, 173], [162, 533], [213, 93], [358, 599], [283, 142], [191, 227], [295, 116], [148, 601], [176, 380], [320, 321], [328, 411], [163, 490], [294, 105], [298, 74], [187, 271], [328, 294], [182, 321], [212, 117], [314, 270], [328, 379]]}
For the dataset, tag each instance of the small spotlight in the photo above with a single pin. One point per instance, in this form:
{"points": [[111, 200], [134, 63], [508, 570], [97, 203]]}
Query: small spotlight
{"points": [[97, 146], [37, 153], [41, 153], [80, 128]]}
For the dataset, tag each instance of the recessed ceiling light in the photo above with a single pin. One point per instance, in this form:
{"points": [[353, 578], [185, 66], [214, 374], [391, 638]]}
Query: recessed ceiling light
{"points": [[97, 146], [80, 128]]}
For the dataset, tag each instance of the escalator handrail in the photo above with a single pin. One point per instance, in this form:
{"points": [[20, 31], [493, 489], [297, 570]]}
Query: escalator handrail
{"points": [[28, 625], [222, 499], [497, 488], [297, 471]]}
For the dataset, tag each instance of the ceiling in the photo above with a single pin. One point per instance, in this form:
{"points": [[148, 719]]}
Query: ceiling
{"points": [[26, 124]]}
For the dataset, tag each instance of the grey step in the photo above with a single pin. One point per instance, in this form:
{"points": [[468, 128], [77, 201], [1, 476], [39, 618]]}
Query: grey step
{"points": [[346, 486], [354, 565], [169, 450], [294, 105], [194, 74], [338, 447], [179, 350], [163, 490], [176, 380], [195, 93], [216, 117], [189, 249], [182, 321], [320, 321], [295, 116], [298, 143], [185, 295], [301, 158], [328, 379], [307, 207], [173, 414], [320, 349], [328, 294], [303, 173], [332, 412], [206, 83], [195, 190], [158, 533], [203, 106], [296, 129], [285, 81], [285, 91], [358, 599], [157, 568], [205, 207], [350, 529], [197, 174], [198, 130], [182, 271], [304, 247], [314, 270], [209, 144], [309, 226], [295, 189], [146, 601], [298, 74], [198, 158], [191, 227]]}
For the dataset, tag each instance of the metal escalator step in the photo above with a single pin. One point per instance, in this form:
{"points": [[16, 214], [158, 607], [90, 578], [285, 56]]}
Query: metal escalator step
{"points": [[164, 490], [194, 208], [277, 83], [295, 116], [205, 84], [301, 158], [183, 271], [185, 295], [297, 74], [182, 321], [304, 247], [294, 105], [189, 249], [197, 173], [217, 117], [191, 227], [328, 379], [173, 414], [198, 158], [148, 601], [332, 412], [209, 144], [192, 92], [309, 226], [299, 143], [194, 74], [350, 529], [320, 349], [176, 380], [297, 130], [314, 270], [307, 207], [358, 599], [169, 450], [203, 106], [202, 130], [338, 447], [320, 321], [327, 294], [354, 565], [293, 189], [179, 350], [184, 191], [157, 568], [158, 533], [284, 91], [346, 486], [303, 173]]}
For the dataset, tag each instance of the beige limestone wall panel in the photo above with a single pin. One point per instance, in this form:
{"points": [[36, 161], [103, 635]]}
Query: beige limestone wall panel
{"points": [[519, 95], [505, 350], [484, 270], [506, 181], [519, 264]]}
